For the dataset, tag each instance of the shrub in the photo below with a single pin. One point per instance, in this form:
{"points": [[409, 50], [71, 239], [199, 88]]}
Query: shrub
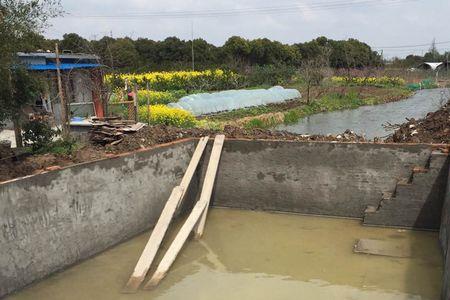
{"points": [[38, 134], [161, 114], [62, 147]]}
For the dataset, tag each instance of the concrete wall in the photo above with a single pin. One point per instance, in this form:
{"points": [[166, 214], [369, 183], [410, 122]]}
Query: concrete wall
{"points": [[444, 236], [312, 178], [50, 221]]}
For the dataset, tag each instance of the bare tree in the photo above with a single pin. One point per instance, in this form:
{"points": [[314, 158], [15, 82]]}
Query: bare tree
{"points": [[313, 71]]}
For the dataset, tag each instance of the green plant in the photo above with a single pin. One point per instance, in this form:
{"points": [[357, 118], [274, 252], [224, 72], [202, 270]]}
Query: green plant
{"points": [[254, 123], [156, 97], [292, 116], [38, 134], [62, 147], [161, 114]]}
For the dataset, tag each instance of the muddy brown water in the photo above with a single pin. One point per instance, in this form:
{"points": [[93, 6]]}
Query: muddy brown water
{"points": [[259, 255], [369, 120]]}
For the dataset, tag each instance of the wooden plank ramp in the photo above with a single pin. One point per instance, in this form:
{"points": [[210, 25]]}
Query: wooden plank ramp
{"points": [[197, 212], [157, 235], [215, 156]]}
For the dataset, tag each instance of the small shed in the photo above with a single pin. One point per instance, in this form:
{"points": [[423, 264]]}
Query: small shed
{"points": [[82, 82], [430, 65]]}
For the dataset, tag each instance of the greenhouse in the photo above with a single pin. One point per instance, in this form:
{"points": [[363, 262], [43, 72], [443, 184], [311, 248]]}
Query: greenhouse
{"points": [[207, 103]]}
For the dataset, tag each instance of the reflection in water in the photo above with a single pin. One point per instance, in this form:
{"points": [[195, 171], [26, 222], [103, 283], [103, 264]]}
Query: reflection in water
{"points": [[368, 120], [258, 255]]}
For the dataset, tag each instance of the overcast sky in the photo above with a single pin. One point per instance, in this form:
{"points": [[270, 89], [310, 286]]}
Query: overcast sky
{"points": [[381, 24]]}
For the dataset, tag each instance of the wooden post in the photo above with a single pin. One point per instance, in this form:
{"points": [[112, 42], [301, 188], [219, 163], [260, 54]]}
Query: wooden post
{"points": [[64, 111], [135, 100], [148, 105]]}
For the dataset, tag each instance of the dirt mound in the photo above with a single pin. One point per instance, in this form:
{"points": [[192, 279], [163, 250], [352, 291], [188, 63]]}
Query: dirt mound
{"points": [[433, 129], [146, 137], [154, 135]]}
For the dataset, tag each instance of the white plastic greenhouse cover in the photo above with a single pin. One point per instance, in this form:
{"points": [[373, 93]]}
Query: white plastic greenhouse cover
{"points": [[206, 103]]}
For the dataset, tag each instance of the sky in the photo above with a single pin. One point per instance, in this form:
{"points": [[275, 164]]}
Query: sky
{"points": [[394, 26]]}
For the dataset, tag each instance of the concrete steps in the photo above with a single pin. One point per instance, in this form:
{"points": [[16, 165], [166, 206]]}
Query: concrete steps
{"points": [[416, 201]]}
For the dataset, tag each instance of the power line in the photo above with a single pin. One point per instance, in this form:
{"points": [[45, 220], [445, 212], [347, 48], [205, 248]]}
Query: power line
{"points": [[292, 8], [411, 46]]}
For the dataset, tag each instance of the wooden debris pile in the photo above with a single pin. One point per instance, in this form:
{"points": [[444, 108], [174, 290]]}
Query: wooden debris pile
{"points": [[112, 132]]}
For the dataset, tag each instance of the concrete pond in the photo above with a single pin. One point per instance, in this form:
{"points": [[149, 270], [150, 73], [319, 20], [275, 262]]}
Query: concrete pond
{"points": [[285, 219]]}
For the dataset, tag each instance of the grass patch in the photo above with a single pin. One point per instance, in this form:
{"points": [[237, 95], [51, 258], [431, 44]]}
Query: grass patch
{"points": [[59, 147]]}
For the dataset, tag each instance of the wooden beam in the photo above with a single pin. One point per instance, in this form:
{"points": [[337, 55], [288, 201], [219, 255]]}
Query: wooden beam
{"points": [[65, 123], [207, 189], [192, 219], [157, 235]]}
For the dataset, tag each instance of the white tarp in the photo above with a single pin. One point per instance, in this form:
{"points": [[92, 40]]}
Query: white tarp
{"points": [[206, 103]]}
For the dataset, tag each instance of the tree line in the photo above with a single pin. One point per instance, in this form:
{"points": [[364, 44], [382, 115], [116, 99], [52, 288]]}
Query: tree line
{"points": [[144, 54]]}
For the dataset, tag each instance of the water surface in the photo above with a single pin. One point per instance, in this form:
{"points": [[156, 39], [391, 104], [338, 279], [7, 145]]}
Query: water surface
{"points": [[258, 255], [368, 120]]}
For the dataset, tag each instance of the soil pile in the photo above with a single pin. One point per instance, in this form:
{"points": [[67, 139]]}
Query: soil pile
{"points": [[154, 135], [434, 128], [146, 137]]}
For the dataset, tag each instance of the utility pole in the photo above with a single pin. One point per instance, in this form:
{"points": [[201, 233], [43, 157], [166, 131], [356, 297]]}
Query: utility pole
{"points": [[192, 45], [446, 62], [64, 111]]}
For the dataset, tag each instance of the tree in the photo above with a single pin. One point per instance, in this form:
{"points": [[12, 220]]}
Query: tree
{"points": [[102, 48], [75, 43], [25, 88], [147, 50], [19, 20], [433, 54], [236, 51], [124, 53], [313, 71]]}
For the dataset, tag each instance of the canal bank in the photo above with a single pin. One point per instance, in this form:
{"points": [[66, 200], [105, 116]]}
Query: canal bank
{"points": [[369, 120], [57, 219]]}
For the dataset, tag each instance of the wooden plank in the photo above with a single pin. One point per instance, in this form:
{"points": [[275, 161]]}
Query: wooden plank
{"points": [[176, 245], [152, 246], [215, 156], [186, 180], [383, 248], [192, 219]]}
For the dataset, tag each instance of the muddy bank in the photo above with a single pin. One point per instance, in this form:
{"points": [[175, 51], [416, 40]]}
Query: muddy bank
{"points": [[146, 138], [434, 128]]}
